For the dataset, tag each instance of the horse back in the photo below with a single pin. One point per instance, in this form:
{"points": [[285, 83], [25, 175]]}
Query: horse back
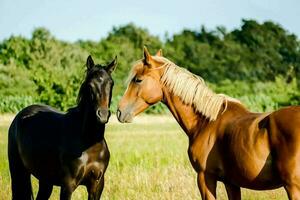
{"points": [[37, 119]]}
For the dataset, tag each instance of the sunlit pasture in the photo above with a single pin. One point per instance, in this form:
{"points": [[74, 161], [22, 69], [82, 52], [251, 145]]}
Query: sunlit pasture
{"points": [[148, 161]]}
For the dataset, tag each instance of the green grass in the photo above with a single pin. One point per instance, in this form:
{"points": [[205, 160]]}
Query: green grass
{"points": [[148, 161]]}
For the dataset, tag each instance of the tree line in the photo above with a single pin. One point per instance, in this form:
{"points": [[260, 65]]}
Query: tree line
{"points": [[257, 63]]}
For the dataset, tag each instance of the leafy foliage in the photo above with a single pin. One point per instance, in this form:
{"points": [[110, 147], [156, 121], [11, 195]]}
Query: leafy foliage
{"points": [[256, 63]]}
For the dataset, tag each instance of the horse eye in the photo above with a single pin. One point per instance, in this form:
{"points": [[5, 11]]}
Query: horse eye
{"points": [[136, 80]]}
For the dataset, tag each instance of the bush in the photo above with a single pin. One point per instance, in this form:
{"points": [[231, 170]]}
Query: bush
{"points": [[262, 96], [257, 63], [13, 104]]}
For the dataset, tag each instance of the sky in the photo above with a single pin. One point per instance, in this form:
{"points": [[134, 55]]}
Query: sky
{"points": [[71, 20]]}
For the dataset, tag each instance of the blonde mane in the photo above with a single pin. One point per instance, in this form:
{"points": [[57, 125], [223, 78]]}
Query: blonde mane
{"points": [[192, 89]]}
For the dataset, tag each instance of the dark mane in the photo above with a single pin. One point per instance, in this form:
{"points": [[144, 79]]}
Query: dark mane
{"points": [[84, 92]]}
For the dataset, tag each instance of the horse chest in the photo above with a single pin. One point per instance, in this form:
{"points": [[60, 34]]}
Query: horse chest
{"points": [[91, 165], [91, 168], [203, 154]]}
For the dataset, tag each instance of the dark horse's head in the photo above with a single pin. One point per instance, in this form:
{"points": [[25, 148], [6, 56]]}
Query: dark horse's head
{"points": [[96, 90]]}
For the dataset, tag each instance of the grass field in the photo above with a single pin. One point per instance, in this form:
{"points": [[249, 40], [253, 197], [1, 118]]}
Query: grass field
{"points": [[148, 161]]}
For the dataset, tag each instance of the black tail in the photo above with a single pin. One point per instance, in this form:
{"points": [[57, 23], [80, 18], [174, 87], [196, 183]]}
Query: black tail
{"points": [[20, 177]]}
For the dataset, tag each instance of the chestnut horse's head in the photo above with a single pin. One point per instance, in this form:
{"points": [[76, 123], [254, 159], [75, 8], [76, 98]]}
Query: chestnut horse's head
{"points": [[144, 88]]}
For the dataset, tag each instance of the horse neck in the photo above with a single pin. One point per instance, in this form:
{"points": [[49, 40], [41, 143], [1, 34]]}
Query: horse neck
{"points": [[189, 120], [193, 122], [91, 130]]}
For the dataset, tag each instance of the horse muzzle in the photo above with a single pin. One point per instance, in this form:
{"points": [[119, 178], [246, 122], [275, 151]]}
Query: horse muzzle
{"points": [[124, 116], [103, 115]]}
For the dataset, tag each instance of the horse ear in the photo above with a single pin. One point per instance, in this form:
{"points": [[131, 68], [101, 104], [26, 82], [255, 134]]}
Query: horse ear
{"points": [[147, 56], [159, 53], [112, 66], [89, 62]]}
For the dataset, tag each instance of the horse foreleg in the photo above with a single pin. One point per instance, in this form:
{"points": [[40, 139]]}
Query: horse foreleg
{"points": [[233, 192], [66, 191], [95, 189], [207, 185], [45, 191]]}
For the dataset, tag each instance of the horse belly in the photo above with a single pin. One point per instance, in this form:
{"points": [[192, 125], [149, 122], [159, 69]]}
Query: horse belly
{"points": [[258, 174], [249, 163], [43, 165]]}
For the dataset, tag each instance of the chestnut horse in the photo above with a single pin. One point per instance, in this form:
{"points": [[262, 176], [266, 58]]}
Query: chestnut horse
{"points": [[227, 142], [60, 149]]}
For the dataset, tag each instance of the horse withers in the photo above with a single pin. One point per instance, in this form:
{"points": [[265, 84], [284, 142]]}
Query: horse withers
{"points": [[227, 142], [63, 149]]}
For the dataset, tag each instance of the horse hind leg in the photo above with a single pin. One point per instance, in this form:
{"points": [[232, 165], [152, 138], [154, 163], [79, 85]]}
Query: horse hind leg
{"points": [[289, 170], [289, 173], [20, 177]]}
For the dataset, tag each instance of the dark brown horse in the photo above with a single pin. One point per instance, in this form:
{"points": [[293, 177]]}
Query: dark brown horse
{"points": [[227, 142], [60, 149]]}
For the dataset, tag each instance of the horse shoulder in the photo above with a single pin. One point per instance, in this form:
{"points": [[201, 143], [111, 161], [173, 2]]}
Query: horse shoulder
{"points": [[202, 149]]}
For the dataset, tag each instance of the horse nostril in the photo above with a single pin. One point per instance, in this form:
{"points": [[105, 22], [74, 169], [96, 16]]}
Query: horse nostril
{"points": [[98, 113], [118, 114]]}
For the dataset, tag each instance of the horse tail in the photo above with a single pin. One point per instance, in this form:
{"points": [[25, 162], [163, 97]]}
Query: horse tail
{"points": [[20, 177]]}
